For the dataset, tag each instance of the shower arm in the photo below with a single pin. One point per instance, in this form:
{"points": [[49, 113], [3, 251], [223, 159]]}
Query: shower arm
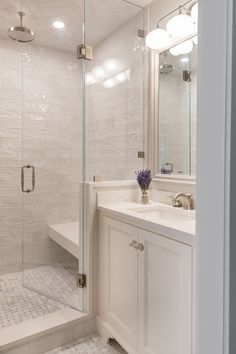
{"points": [[21, 14], [179, 8]]}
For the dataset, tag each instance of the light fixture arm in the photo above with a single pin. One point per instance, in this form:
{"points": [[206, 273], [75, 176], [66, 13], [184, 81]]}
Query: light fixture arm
{"points": [[179, 8]]}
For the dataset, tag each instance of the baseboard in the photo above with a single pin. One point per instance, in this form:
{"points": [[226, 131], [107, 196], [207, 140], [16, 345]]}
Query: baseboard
{"points": [[106, 331]]}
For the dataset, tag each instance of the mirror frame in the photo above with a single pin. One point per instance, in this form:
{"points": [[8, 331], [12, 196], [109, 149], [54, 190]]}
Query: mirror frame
{"points": [[153, 116]]}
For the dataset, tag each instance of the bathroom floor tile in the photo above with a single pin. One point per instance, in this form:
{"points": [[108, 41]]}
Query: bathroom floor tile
{"points": [[89, 345], [18, 304]]}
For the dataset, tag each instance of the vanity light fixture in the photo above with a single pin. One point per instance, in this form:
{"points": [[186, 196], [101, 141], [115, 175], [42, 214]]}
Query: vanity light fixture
{"points": [[182, 48], [58, 24], [181, 24], [158, 38]]}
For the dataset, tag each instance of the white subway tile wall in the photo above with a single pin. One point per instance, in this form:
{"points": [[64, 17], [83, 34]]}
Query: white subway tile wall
{"points": [[115, 104]]}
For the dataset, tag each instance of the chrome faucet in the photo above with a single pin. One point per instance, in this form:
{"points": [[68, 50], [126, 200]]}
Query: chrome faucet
{"points": [[182, 200]]}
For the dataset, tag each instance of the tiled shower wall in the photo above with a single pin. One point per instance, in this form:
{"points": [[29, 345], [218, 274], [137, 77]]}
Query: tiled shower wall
{"points": [[116, 128], [40, 111]]}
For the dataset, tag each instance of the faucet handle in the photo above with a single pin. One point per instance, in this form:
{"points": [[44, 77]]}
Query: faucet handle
{"points": [[175, 203], [170, 197]]}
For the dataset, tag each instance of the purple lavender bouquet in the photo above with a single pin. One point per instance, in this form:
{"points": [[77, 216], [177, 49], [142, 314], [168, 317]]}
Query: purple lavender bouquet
{"points": [[144, 179]]}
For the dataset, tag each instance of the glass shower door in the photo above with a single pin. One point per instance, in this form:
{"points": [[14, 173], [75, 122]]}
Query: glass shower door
{"points": [[52, 150]]}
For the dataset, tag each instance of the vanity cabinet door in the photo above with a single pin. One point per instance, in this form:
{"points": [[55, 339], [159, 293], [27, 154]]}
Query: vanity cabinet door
{"points": [[165, 270], [118, 280]]}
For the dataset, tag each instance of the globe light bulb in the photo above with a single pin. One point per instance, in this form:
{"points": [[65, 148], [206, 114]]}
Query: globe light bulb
{"points": [[157, 39], [180, 25], [182, 48]]}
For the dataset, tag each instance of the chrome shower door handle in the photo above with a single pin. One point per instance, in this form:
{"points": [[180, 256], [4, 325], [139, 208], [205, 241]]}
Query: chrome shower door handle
{"points": [[23, 179]]}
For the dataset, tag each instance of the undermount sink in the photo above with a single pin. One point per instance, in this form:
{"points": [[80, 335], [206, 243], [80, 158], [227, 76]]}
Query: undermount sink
{"points": [[164, 213]]}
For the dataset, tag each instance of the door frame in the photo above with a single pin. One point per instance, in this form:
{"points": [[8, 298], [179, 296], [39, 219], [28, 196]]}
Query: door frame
{"points": [[213, 190]]}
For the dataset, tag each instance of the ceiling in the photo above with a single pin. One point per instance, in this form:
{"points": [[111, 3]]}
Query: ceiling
{"points": [[102, 17]]}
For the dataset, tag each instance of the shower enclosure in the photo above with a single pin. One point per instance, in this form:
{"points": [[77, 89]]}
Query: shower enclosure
{"points": [[66, 117]]}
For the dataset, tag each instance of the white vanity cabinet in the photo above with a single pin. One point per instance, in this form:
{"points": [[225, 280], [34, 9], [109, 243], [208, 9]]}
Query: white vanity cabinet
{"points": [[165, 295], [118, 281], [145, 289]]}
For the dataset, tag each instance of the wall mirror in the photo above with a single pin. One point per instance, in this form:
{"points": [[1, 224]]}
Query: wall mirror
{"points": [[174, 99]]}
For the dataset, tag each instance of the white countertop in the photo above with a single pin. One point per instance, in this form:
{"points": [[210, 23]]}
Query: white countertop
{"points": [[179, 226]]}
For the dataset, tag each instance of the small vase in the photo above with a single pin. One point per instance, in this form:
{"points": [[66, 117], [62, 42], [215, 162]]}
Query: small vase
{"points": [[145, 196]]}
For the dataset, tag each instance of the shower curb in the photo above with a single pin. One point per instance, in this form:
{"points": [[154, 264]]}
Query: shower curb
{"points": [[45, 340]]}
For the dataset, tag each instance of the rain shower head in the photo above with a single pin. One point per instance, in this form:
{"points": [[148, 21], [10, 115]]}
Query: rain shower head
{"points": [[166, 68], [20, 33]]}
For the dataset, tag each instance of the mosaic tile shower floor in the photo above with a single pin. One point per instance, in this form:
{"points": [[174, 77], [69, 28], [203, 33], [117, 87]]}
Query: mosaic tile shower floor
{"points": [[55, 281], [18, 304], [90, 345]]}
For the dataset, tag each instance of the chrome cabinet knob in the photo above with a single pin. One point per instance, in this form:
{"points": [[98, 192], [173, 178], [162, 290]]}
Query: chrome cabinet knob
{"points": [[140, 247], [137, 246], [133, 244]]}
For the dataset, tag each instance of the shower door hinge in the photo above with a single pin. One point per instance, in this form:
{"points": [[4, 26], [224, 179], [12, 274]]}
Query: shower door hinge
{"points": [[81, 281], [187, 75], [141, 154], [84, 52], [141, 33]]}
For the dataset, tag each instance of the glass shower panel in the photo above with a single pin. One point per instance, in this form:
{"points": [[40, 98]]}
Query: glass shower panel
{"points": [[114, 90], [52, 168]]}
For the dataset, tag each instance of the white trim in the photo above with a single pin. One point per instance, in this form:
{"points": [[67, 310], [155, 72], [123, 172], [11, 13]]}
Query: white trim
{"points": [[213, 191], [153, 114], [175, 179], [227, 206], [42, 333]]}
